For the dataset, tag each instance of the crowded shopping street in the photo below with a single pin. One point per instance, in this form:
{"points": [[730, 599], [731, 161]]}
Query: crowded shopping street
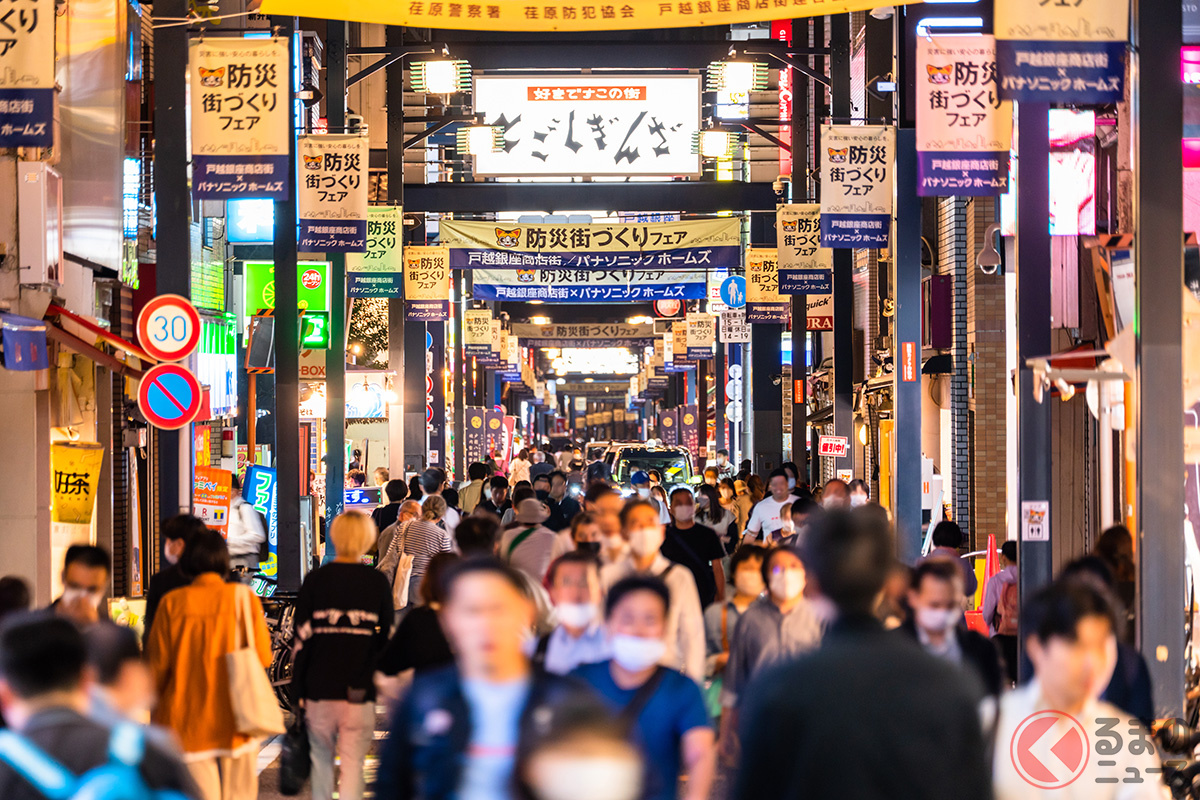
{"points": [[557, 400]]}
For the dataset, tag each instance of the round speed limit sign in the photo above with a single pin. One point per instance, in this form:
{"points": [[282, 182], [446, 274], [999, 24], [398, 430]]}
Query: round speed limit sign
{"points": [[168, 327]]}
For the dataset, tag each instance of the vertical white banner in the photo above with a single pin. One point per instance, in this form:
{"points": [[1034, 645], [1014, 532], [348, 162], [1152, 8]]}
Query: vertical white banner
{"points": [[856, 185], [333, 193]]}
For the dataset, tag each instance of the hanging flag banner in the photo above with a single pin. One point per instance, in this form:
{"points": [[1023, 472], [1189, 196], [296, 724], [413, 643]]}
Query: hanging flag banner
{"points": [[475, 436], [75, 474], [734, 328], [588, 286], [804, 266], [563, 15], [701, 333], [856, 185], [964, 129], [668, 426], [477, 332], [820, 312], [763, 303], [496, 351], [333, 193], [513, 368], [679, 346], [426, 284], [27, 74], [241, 117], [689, 431], [694, 244], [379, 271], [1062, 52]]}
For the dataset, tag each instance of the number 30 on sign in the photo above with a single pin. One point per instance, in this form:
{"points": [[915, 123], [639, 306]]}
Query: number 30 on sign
{"points": [[168, 327]]}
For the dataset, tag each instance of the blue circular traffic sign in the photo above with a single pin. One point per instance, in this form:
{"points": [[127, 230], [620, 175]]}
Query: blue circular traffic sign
{"points": [[169, 396], [428, 340], [733, 291]]}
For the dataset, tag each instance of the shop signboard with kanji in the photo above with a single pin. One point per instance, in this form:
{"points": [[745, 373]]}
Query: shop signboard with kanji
{"points": [[964, 129], [333, 193], [856, 185], [241, 117], [1062, 52], [594, 334], [75, 473], [212, 493], [379, 271], [475, 435], [585, 125], [734, 328], [27, 73], [701, 333], [477, 332], [588, 285], [805, 268], [602, 247], [763, 301], [426, 284]]}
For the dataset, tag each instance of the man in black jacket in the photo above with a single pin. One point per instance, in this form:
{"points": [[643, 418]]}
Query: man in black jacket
{"points": [[869, 714], [460, 730], [176, 532]]}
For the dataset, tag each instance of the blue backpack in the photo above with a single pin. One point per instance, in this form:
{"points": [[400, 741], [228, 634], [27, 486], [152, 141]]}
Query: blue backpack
{"points": [[119, 779]]}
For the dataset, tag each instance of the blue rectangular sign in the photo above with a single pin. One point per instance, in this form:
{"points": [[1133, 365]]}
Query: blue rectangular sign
{"points": [[805, 281], [1087, 73], [26, 115]]}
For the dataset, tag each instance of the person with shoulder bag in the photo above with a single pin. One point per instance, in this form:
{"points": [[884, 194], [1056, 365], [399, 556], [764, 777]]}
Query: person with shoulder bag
{"points": [[246, 534]]}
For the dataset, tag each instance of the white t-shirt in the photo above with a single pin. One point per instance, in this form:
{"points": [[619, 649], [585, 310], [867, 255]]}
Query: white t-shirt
{"points": [[764, 520]]}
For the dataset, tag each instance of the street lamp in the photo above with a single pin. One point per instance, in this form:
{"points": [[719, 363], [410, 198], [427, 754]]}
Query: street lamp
{"points": [[737, 76], [714, 143], [443, 75], [479, 139]]}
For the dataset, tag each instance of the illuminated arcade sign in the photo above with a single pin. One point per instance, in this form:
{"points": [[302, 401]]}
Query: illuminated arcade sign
{"points": [[311, 284], [591, 125]]}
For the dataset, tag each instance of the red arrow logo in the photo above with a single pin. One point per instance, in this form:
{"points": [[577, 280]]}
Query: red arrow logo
{"points": [[1049, 749]]}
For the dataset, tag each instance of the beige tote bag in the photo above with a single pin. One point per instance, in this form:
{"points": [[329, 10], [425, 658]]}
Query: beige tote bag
{"points": [[256, 712]]}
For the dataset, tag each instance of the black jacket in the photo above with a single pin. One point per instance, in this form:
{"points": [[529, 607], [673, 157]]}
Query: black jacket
{"points": [[163, 581], [426, 747], [978, 652], [868, 715]]}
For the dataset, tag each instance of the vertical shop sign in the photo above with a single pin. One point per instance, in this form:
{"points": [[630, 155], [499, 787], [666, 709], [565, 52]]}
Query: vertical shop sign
{"points": [[668, 426], [475, 433], [1062, 52], [679, 344], [259, 490], [427, 284], [135, 525], [689, 431], [856, 185], [333, 193], [212, 493], [477, 332], [75, 473], [819, 310], [378, 272], [701, 333], [241, 117], [964, 129], [763, 302], [27, 74]]}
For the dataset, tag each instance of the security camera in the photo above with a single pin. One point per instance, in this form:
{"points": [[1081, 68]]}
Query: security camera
{"points": [[355, 123], [883, 12], [780, 184]]}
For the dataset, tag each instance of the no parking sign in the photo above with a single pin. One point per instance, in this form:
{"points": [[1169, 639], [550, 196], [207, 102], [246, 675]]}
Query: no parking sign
{"points": [[169, 396]]}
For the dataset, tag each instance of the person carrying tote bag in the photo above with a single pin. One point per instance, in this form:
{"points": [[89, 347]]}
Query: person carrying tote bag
{"points": [[256, 712]]}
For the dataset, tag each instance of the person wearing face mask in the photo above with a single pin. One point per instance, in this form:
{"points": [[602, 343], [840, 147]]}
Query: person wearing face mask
{"points": [[645, 488], [765, 519], [795, 486], [685, 620], [585, 534], [720, 619], [695, 546], [836, 495], [606, 504], [778, 626], [175, 533], [587, 757], [732, 502], [1070, 636], [724, 468], [710, 476], [802, 513], [664, 709], [85, 576], [935, 597], [123, 690], [860, 493], [574, 583]]}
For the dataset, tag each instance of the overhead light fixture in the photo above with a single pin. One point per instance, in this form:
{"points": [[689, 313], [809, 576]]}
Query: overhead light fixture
{"points": [[536, 303], [638, 321], [539, 320], [560, 381], [737, 76], [715, 143], [589, 380], [480, 139], [989, 259], [441, 75]]}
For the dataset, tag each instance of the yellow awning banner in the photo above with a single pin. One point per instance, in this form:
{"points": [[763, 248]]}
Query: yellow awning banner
{"points": [[564, 15]]}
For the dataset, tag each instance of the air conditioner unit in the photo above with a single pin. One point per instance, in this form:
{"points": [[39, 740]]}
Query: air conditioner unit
{"points": [[40, 223]]}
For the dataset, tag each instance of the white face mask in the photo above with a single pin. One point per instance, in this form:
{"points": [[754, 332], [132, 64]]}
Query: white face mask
{"points": [[831, 502], [937, 620], [787, 584], [857, 500], [614, 543], [645, 541], [72, 595], [576, 615], [685, 512], [791, 483], [749, 583], [636, 653], [643, 491], [585, 777]]}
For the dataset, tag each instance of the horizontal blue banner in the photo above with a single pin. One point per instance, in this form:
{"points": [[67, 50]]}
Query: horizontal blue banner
{"points": [[966, 174], [768, 312], [374, 284], [590, 294], [1087, 73], [805, 281], [427, 310], [27, 117], [479, 351], [854, 230], [332, 236], [717, 257], [233, 177]]}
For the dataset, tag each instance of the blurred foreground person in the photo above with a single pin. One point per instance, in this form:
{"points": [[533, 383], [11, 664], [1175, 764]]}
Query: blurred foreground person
{"points": [[869, 714], [458, 731], [1072, 643], [343, 615], [584, 757], [197, 626], [85, 574], [580, 638], [44, 696], [663, 707]]}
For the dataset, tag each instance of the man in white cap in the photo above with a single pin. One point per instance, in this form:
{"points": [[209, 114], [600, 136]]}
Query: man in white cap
{"points": [[529, 545]]}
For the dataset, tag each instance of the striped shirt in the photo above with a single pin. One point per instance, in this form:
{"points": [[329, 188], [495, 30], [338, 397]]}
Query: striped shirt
{"points": [[423, 540]]}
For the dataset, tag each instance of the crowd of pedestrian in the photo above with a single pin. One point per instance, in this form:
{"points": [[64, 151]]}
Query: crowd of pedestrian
{"points": [[545, 637]]}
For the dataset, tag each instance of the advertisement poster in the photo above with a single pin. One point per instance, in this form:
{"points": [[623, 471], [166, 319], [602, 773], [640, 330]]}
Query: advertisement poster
{"points": [[964, 129], [259, 490], [27, 74], [379, 271], [856, 185], [426, 284], [763, 301], [241, 117], [333, 193], [212, 492], [75, 474]]}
